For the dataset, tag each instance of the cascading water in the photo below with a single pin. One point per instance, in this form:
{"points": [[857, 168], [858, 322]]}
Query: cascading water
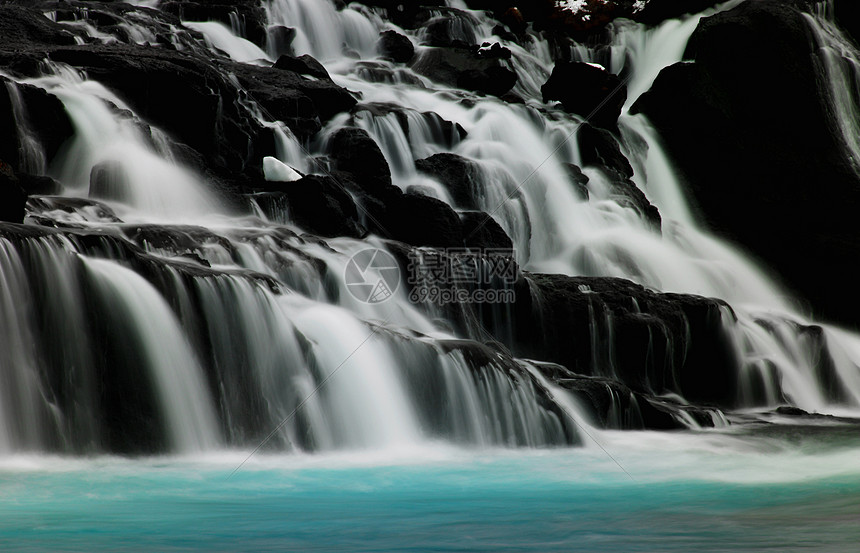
{"points": [[229, 327], [841, 61], [185, 361], [520, 156]]}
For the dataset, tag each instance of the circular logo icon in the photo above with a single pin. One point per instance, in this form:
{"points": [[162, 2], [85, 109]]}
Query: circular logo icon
{"points": [[372, 275]]}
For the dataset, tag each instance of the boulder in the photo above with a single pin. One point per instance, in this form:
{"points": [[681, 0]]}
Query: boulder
{"points": [[465, 67], [460, 176], [39, 184], [481, 231], [355, 152], [317, 204], [39, 114], [303, 65], [12, 196], [652, 342], [847, 13], [303, 104], [588, 91], [748, 128], [21, 29], [430, 125], [393, 45], [599, 148], [578, 180], [181, 93], [423, 221], [279, 39]]}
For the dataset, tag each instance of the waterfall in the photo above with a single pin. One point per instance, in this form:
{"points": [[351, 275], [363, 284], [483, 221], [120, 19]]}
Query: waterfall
{"points": [[110, 158], [841, 61], [520, 156], [151, 332], [140, 312]]}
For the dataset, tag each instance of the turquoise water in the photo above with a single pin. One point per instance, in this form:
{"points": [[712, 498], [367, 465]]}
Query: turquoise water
{"points": [[683, 493]]}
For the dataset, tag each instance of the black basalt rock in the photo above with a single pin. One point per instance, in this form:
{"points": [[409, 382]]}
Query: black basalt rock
{"points": [[12, 196], [653, 342], [459, 175], [304, 65], [481, 231], [588, 91], [393, 45], [319, 204], [41, 115], [354, 151], [464, 67], [750, 131]]}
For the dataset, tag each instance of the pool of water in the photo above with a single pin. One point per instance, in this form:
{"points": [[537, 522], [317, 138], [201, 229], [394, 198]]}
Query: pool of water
{"points": [[662, 492]]}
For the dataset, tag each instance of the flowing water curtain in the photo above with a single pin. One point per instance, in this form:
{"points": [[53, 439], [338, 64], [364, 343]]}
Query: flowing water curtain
{"points": [[250, 355]]}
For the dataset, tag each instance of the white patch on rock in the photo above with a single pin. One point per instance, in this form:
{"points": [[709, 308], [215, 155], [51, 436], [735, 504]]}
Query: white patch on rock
{"points": [[278, 171]]}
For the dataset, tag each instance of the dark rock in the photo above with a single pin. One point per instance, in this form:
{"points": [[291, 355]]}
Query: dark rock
{"points": [[422, 221], [591, 92], [100, 212], [494, 51], [246, 17], [613, 404], [599, 148], [578, 179], [393, 45], [463, 67], [42, 116], [21, 29], [355, 152], [653, 343], [483, 232], [177, 239], [301, 103], [814, 341], [180, 93], [626, 194], [847, 13], [429, 125], [494, 80], [748, 129], [12, 196], [36, 184], [513, 18], [791, 411], [303, 65], [318, 204], [460, 176], [280, 40], [504, 34]]}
